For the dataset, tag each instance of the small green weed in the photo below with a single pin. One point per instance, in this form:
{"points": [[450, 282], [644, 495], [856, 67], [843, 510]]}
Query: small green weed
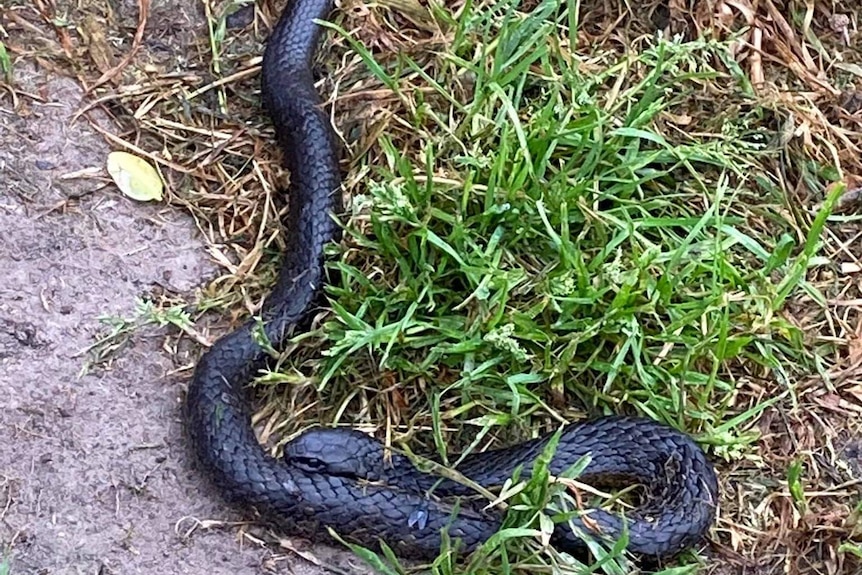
{"points": [[5, 64], [794, 484], [119, 330]]}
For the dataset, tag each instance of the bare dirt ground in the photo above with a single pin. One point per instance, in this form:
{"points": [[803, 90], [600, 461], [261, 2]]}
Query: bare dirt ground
{"points": [[94, 477]]}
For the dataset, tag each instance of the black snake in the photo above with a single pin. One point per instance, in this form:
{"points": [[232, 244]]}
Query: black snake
{"points": [[336, 479]]}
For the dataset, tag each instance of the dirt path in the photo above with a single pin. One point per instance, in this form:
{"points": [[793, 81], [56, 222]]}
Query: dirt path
{"points": [[94, 476]]}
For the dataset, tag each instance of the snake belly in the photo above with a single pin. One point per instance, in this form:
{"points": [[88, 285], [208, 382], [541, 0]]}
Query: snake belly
{"points": [[305, 499]]}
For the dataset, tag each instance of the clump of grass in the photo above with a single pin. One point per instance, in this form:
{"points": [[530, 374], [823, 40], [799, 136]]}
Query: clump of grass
{"points": [[117, 330], [553, 246]]}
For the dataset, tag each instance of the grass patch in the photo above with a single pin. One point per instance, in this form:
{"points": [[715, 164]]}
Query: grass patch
{"points": [[554, 240]]}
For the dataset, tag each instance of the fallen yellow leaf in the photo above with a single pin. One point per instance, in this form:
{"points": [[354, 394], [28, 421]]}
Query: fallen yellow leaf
{"points": [[135, 177]]}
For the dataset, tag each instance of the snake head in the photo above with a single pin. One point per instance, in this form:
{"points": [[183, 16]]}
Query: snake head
{"points": [[342, 452]]}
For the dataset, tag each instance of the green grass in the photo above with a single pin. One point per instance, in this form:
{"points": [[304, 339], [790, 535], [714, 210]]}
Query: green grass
{"points": [[218, 35], [5, 64], [117, 331], [553, 235]]}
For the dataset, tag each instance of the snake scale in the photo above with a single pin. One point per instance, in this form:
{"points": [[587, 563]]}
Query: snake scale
{"points": [[331, 478]]}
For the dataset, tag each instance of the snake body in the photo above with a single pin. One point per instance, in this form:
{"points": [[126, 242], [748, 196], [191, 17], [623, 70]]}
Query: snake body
{"points": [[336, 479]]}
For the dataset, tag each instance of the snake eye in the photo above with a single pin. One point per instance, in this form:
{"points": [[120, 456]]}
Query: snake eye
{"points": [[311, 464]]}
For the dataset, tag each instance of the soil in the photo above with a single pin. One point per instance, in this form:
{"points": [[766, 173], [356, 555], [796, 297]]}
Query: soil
{"points": [[94, 473]]}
